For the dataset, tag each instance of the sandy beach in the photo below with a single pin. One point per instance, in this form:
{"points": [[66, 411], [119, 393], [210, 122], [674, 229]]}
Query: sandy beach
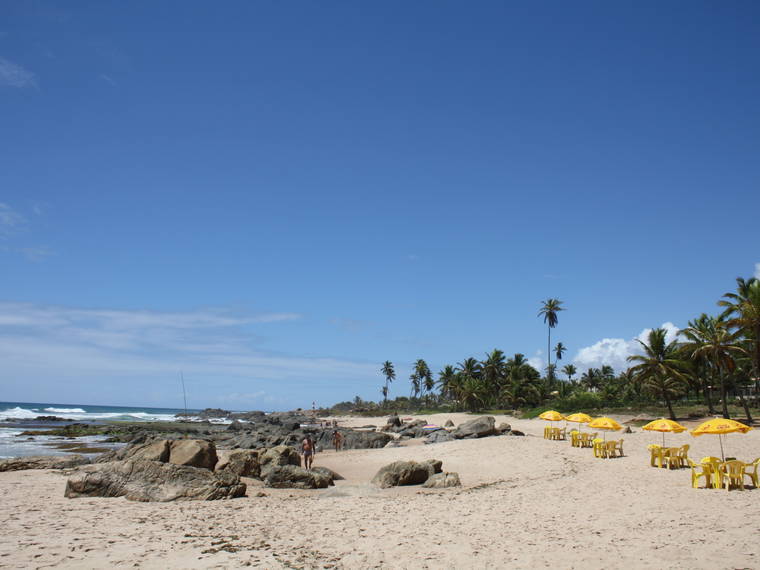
{"points": [[525, 502]]}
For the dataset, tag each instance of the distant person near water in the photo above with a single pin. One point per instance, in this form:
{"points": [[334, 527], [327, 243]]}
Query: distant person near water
{"points": [[337, 440], [307, 450]]}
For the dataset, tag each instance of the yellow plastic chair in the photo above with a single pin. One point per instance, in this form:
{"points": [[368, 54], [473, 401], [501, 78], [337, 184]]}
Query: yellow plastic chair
{"points": [[547, 432], [715, 473], [562, 434], [683, 456], [575, 440], [617, 448], [600, 450], [609, 449], [670, 456], [588, 439], [752, 474], [696, 475], [656, 454], [732, 473]]}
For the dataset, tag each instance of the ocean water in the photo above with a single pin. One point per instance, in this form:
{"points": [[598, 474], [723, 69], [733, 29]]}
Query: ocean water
{"points": [[13, 414]]}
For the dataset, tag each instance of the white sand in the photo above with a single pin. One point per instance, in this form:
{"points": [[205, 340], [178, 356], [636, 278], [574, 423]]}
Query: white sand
{"points": [[525, 502]]}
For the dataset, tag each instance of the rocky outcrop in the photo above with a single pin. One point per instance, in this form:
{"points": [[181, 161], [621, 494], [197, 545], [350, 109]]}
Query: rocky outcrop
{"points": [[193, 453], [504, 428], [448, 424], [476, 427], [292, 477], [328, 473], [241, 462], [43, 462], [144, 480], [443, 480], [406, 473]]}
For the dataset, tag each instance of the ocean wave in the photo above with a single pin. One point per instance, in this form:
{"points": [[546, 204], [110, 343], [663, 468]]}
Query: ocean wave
{"points": [[19, 413]]}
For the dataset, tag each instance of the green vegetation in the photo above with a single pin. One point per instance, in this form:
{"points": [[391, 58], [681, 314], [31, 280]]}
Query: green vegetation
{"points": [[715, 359]]}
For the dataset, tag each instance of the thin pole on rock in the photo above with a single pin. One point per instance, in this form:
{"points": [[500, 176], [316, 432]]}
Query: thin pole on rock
{"points": [[184, 394]]}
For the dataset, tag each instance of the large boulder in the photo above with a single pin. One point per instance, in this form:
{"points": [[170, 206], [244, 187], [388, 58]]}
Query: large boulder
{"points": [[193, 453], [292, 477], [438, 436], [143, 480], [327, 472], [152, 451], [406, 473], [43, 462], [442, 480], [279, 456], [448, 424], [241, 462], [476, 427]]}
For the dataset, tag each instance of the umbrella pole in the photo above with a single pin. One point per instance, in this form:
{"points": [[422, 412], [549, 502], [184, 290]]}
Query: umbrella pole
{"points": [[720, 439], [663, 439]]}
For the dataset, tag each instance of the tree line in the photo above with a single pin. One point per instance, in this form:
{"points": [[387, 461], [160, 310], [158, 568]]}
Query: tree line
{"points": [[714, 359]]}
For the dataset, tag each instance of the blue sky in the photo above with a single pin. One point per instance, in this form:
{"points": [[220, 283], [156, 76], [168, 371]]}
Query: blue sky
{"points": [[277, 197]]}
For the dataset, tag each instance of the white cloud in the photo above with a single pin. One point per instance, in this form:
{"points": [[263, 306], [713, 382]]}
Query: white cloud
{"points": [[615, 351], [10, 220], [113, 355], [13, 75], [108, 79], [757, 270]]}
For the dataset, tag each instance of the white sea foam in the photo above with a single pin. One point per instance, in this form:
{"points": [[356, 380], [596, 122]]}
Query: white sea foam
{"points": [[18, 413]]}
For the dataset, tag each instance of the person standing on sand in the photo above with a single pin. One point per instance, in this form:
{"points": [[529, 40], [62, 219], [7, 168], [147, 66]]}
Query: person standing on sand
{"points": [[337, 440], [307, 450]]}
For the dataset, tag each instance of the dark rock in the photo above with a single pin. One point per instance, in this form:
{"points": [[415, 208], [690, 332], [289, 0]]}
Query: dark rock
{"points": [[442, 480], [448, 423], [51, 419], [516, 432], [235, 426], [439, 436], [406, 473], [504, 428], [144, 480], [477, 427], [328, 473], [241, 462], [292, 477], [43, 462], [393, 421]]}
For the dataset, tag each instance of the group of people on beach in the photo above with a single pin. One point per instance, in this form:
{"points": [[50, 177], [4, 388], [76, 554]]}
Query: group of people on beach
{"points": [[308, 449]]}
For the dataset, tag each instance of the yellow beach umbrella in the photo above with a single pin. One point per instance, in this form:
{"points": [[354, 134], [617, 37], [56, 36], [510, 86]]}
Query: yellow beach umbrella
{"points": [[578, 418], [552, 416], [606, 424], [663, 425], [720, 427]]}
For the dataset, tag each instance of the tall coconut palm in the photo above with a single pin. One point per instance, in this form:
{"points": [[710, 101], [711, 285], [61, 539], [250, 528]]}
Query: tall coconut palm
{"points": [[659, 370], [446, 381], [548, 311], [424, 376], [719, 346], [743, 308], [493, 371], [559, 350], [570, 371], [390, 376], [702, 372]]}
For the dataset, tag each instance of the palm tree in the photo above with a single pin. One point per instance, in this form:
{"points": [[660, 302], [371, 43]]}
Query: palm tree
{"points": [[493, 371], [415, 380], [570, 370], [470, 367], [559, 350], [423, 374], [549, 311], [592, 379], [718, 345], [744, 308], [390, 376], [659, 370], [702, 372], [446, 381]]}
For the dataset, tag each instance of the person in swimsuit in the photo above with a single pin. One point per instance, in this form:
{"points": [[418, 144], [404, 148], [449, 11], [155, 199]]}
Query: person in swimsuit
{"points": [[337, 440], [307, 450]]}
